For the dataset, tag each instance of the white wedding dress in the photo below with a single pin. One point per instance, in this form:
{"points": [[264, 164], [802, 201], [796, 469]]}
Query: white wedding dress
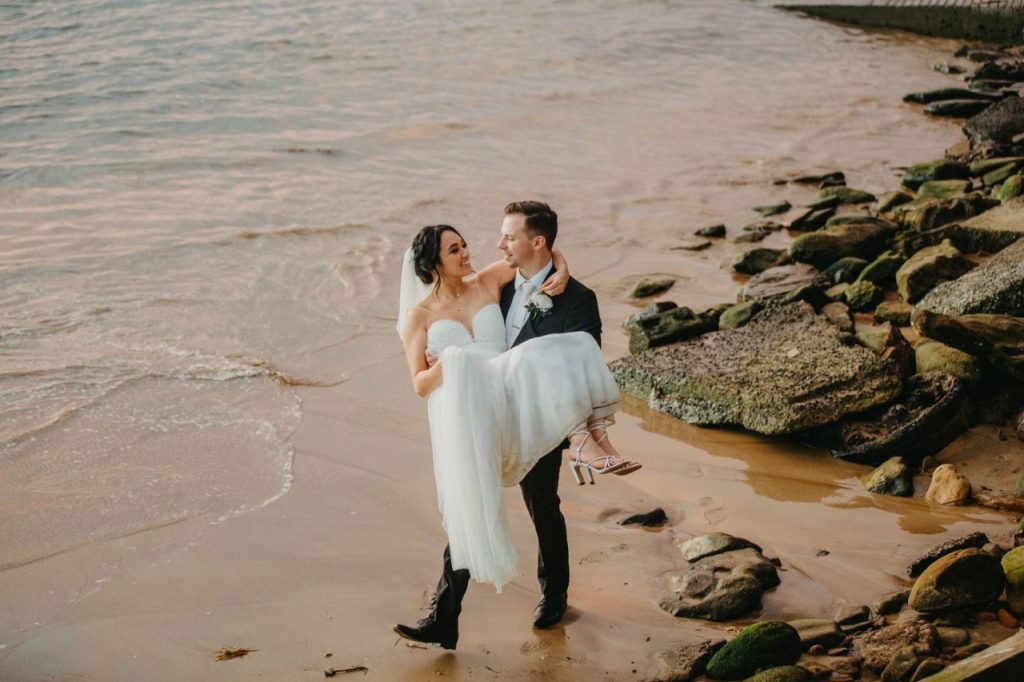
{"points": [[495, 415]]}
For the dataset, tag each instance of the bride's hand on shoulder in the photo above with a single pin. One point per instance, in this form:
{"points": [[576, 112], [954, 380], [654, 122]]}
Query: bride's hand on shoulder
{"points": [[556, 283]]}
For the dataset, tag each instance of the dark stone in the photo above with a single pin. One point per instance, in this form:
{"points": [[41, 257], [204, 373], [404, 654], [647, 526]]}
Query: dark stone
{"points": [[892, 603], [774, 209], [951, 69], [836, 177], [975, 540], [817, 631], [651, 519], [930, 414], [652, 310], [853, 615], [946, 94], [711, 231], [901, 665], [839, 314], [891, 200], [751, 236], [999, 123], [813, 220], [957, 108], [758, 260], [845, 269], [692, 244]]}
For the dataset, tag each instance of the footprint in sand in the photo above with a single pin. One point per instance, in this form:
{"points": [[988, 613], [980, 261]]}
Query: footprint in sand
{"points": [[692, 470], [597, 557], [716, 515]]}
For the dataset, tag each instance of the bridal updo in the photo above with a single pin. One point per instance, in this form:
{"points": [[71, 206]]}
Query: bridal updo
{"points": [[426, 251]]}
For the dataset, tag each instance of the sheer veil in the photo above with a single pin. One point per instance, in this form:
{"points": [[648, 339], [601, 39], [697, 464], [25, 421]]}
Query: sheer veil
{"points": [[412, 290]]}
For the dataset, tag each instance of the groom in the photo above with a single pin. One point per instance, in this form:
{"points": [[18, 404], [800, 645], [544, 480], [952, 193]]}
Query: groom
{"points": [[527, 236]]}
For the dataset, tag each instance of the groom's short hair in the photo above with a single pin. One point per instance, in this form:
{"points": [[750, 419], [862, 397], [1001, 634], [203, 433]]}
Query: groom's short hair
{"points": [[540, 219]]}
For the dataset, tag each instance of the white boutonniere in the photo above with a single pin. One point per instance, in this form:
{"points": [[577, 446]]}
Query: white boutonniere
{"points": [[539, 304]]}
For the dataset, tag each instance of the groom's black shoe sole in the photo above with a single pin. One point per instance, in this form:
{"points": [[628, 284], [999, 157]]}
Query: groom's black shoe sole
{"points": [[429, 633], [549, 612]]}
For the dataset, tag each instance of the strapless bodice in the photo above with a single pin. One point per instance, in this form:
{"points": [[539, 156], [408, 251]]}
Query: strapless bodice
{"points": [[488, 332]]}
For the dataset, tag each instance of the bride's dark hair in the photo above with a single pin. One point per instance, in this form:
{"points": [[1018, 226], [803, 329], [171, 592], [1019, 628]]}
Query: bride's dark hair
{"points": [[426, 251]]}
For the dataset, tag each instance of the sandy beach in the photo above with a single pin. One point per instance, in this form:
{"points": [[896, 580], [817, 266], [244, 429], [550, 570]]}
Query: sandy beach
{"points": [[354, 547], [207, 434]]}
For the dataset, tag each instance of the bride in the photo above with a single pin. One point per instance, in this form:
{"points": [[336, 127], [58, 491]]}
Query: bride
{"points": [[494, 411]]}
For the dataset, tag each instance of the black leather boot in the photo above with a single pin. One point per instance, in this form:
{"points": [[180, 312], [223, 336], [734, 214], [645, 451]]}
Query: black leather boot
{"points": [[550, 611]]}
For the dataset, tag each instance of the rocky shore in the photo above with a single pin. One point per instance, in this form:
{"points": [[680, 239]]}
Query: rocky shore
{"points": [[889, 327]]}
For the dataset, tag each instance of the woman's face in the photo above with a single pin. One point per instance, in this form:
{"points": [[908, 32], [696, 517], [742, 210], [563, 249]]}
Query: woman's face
{"points": [[454, 255]]}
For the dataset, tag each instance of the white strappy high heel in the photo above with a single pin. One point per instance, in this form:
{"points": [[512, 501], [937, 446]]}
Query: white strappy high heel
{"points": [[603, 424], [578, 465]]}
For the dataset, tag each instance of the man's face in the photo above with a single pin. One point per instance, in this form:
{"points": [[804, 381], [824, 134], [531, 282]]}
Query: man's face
{"points": [[515, 242]]}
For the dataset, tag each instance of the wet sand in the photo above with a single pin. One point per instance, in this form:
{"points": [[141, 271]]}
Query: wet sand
{"points": [[355, 546]]}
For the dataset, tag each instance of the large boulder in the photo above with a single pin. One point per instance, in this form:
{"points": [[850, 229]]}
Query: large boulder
{"points": [[998, 123], [721, 586], [932, 356], [996, 286], [928, 267], [964, 579], [931, 413], [761, 645], [933, 213], [975, 540], [787, 370], [997, 339], [758, 260], [658, 329], [826, 246], [992, 230]]}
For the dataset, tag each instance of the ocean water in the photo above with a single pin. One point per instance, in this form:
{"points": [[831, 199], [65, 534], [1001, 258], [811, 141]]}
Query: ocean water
{"points": [[198, 198]]}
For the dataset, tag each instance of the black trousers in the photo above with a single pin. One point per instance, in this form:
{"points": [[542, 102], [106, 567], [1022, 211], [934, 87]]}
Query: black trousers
{"points": [[540, 492]]}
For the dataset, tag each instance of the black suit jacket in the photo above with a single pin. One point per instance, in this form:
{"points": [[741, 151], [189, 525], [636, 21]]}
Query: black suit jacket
{"points": [[574, 310]]}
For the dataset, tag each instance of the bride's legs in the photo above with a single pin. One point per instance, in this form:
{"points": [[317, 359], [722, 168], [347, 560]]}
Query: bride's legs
{"points": [[587, 448], [598, 428]]}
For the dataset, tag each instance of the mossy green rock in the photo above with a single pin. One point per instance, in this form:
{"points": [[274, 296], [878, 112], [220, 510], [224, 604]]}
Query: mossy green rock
{"points": [[873, 339], [862, 296], [893, 199], [928, 267], [739, 314], [1012, 188], [772, 643], [932, 356], [964, 579], [844, 195], [883, 269], [783, 673], [999, 174], [826, 246], [650, 287], [1013, 569], [934, 170], [943, 189], [893, 477]]}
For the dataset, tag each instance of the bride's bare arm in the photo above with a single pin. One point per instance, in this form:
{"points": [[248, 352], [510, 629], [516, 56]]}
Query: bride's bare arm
{"points": [[424, 379], [498, 274]]}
